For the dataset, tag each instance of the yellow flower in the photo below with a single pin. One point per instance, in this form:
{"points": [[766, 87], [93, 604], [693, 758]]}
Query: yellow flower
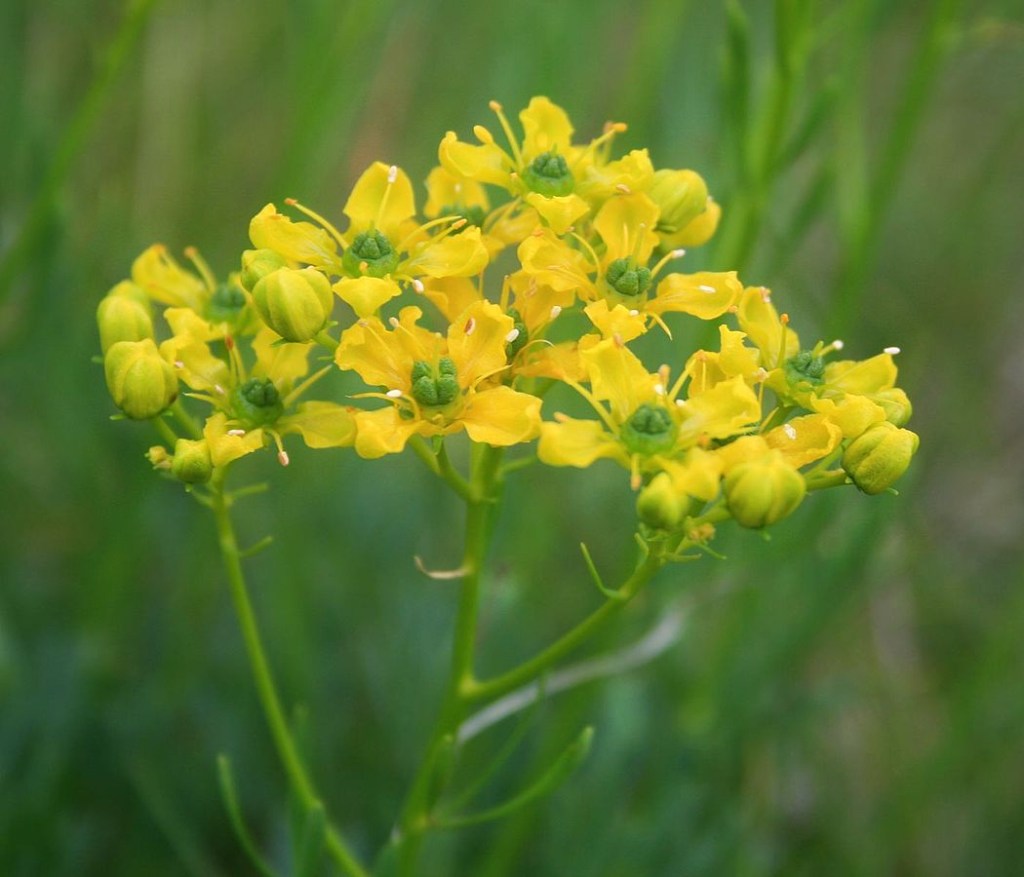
{"points": [[436, 385], [643, 424], [383, 245]]}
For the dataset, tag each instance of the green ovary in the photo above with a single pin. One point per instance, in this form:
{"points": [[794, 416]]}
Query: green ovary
{"points": [[650, 430], [435, 386], [371, 253]]}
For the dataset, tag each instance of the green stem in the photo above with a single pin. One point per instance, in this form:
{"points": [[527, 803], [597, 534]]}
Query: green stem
{"points": [[269, 699], [542, 662], [479, 495]]}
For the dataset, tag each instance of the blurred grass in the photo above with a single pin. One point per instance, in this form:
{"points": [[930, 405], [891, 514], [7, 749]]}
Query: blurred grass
{"points": [[846, 699]]}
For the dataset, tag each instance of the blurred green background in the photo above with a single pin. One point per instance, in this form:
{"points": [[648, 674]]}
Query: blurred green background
{"points": [[845, 698]]}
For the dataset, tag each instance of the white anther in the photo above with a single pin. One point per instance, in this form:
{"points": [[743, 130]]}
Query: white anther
{"points": [[394, 394], [178, 363], [659, 389], [470, 326], [511, 336], [680, 403], [236, 432], [418, 285], [705, 288], [392, 176], [789, 430], [218, 389], [761, 374], [838, 344], [892, 351], [678, 254], [766, 295], [622, 187], [282, 458], [634, 313], [393, 321], [555, 311]]}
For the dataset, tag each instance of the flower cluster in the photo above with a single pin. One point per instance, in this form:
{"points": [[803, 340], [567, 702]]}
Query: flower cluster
{"points": [[538, 261]]}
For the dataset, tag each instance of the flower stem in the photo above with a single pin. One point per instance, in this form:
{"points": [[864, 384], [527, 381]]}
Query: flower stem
{"points": [[287, 751]]}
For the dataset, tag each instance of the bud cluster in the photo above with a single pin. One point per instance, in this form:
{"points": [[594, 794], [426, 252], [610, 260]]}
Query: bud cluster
{"points": [[591, 245]]}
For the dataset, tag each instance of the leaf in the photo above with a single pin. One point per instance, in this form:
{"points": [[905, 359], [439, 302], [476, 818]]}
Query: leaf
{"points": [[228, 792]]}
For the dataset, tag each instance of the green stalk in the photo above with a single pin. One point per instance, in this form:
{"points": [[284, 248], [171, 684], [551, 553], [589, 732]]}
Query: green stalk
{"points": [[287, 751], [415, 815]]}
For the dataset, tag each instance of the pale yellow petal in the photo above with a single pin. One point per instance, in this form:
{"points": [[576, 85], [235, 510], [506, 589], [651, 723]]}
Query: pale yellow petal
{"points": [[365, 295], [577, 443], [559, 211], [626, 225], [805, 439], [382, 198], [300, 242], [476, 341], [322, 424], [706, 295], [501, 416], [546, 128]]}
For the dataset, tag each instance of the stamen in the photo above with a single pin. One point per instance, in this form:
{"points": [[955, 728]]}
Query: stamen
{"points": [[192, 254], [507, 128], [511, 336], [236, 432], [337, 235], [392, 176], [617, 339], [392, 173], [483, 135], [708, 289], [892, 351], [790, 431], [634, 313], [838, 344], [393, 322], [418, 285], [668, 257], [659, 389], [561, 416], [470, 326], [761, 374], [283, 458], [623, 188], [394, 394], [766, 294], [178, 363], [218, 389], [555, 311]]}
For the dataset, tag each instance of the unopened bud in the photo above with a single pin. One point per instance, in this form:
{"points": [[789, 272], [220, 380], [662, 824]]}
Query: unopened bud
{"points": [[698, 231], [659, 505], [257, 264], [879, 456], [896, 405], [141, 382], [192, 462], [681, 196], [124, 315], [294, 302], [763, 491]]}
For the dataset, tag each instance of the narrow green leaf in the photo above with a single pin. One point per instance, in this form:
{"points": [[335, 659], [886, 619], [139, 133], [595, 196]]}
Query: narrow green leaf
{"points": [[230, 795], [310, 849], [557, 773]]}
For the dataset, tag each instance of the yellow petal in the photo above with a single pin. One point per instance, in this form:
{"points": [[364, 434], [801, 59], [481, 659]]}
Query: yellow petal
{"points": [[697, 475], [745, 449], [322, 424], [558, 361], [600, 180], [186, 322], [559, 211], [282, 363], [485, 163], [455, 255], [724, 410], [759, 319], [577, 443], [546, 128], [165, 281], [706, 295], [382, 432], [373, 353], [365, 295], [297, 241], [451, 295], [618, 377], [617, 321], [446, 190], [554, 263], [862, 377], [476, 341], [698, 231], [626, 225], [195, 364], [852, 414], [382, 198], [500, 416], [805, 439], [223, 447]]}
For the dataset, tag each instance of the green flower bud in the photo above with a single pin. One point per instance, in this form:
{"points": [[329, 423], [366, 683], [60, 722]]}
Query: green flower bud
{"points": [[627, 278], [650, 430], [192, 462], [141, 382], [225, 304], [257, 264], [294, 302], [659, 505], [435, 387], [371, 253], [681, 197], [879, 456], [257, 402], [123, 318], [896, 405], [548, 174], [764, 491], [805, 368]]}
